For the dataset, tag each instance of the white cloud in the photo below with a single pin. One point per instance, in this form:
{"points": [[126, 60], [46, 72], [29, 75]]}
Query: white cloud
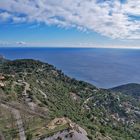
{"points": [[13, 44], [4, 16], [108, 17]]}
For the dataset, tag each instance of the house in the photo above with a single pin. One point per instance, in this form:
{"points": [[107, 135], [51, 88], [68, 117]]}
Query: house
{"points": [[2, 84]]}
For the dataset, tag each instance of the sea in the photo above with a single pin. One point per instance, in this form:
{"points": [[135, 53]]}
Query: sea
{"points": [[102, 67]]}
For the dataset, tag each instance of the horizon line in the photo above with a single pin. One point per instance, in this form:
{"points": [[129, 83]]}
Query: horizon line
{"points": [[68, 47]]}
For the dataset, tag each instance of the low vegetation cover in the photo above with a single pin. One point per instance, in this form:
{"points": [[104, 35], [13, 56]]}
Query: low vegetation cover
{"points": [[40, 94]]}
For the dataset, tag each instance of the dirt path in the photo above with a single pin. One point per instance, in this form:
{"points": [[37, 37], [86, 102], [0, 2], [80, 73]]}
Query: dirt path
{"points": [[19, 122], [45, 96], [27, 87]]}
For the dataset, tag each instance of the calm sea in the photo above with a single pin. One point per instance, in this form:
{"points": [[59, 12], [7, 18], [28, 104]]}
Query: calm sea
{"points": [[102, 67]]}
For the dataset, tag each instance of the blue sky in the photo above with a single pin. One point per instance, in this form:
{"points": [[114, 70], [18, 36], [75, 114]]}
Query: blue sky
{"points": [[71, 23]]}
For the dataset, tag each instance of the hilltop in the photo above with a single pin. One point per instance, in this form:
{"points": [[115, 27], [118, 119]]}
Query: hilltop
{"points": [[38, 101]]}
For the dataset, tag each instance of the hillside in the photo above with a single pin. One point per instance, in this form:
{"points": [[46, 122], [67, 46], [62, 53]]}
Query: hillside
{"points": [[131, 89], [37, 101]]}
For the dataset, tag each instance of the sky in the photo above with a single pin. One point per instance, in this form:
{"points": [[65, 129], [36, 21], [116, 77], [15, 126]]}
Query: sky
{"points": [[70, 23]]}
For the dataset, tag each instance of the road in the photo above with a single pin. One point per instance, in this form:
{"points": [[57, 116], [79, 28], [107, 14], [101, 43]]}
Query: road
{"points": [[1, 136], [19, 122]]}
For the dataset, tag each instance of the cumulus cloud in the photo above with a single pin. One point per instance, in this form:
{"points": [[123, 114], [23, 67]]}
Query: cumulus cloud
{"points": [[111, 18]]}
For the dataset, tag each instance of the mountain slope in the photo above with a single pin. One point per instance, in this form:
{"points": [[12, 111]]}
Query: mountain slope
{"points": [[131, 89], [42, 94]]}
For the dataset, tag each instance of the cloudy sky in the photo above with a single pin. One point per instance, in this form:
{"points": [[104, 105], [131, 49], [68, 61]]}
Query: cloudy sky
{"points": [[70, 23]]}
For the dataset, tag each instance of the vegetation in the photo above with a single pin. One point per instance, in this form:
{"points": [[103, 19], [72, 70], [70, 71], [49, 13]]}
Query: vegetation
{"points": [[129, 89], [41, 93]]}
